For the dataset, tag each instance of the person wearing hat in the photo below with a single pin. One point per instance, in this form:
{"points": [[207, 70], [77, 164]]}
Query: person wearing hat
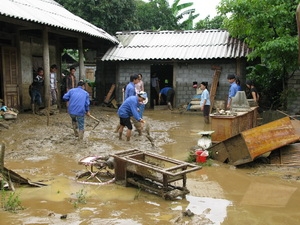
{"points": [[233, 89], [78, 106], [205, 101], [130, 108], [253, 93]]}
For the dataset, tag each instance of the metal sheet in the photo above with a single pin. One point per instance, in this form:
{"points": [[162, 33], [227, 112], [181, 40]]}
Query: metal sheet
{"points": [[181, 45]]}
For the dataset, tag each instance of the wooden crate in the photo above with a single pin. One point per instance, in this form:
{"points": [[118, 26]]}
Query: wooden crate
{"points": [[225, 126]]}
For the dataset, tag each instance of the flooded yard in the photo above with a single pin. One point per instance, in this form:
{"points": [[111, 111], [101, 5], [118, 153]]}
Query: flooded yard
{"points": [[255, 194]]}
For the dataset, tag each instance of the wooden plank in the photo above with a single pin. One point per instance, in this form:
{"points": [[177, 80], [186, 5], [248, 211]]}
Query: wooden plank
{"points": [[109, 94], [286, 155], [213, 88]]}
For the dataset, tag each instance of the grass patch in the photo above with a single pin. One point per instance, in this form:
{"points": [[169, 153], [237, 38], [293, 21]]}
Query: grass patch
{"points": [[80, 198], [10, 201]]}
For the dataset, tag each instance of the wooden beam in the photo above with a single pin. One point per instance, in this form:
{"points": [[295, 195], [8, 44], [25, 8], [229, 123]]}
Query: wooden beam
{"points": [[81, 59], [46, 59]]}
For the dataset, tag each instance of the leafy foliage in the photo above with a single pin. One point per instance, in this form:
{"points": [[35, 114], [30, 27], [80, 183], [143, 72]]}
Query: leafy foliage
{"points": [[207, 23], [122, 15], [155, 15], [269, 28], [110, 15], [179, 11]]}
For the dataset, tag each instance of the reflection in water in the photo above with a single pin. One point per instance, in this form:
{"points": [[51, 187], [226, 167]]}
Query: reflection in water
{"points": [[213, 209]]}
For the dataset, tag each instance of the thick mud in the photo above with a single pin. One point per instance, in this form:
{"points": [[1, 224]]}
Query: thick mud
{"points": [[219, 193]]}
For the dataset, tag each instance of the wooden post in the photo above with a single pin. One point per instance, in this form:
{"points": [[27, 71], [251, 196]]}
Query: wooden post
{"points": [[81, 59], [214, 85], [46, 70], [2, 150]]}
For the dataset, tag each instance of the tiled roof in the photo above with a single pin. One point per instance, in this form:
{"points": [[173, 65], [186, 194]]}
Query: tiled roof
{"points": [[50, 13], [176, 45]]}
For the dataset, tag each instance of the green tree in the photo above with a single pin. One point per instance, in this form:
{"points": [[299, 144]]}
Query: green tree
{"points": [[207, 23], [159, 15], [155, 15], [110, 15], [180, 11], [269, 28]]}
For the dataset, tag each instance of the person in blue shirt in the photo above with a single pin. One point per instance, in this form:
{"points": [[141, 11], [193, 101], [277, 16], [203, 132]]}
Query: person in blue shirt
{"points": [[130, 87], [130, 108], [233, 89], [167, 95], [205, 101], [78, 106]]}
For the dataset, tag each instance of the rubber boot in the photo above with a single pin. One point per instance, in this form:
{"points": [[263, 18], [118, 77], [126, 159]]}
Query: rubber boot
{"points": [[80, 135], [74, 124], [170, 106], [32, 108]]}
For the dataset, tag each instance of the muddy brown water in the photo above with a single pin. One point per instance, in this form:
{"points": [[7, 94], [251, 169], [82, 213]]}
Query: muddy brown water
{"points": [[219, 194]]}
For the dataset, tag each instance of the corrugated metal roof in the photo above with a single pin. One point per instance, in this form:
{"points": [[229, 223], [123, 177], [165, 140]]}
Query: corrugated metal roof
{"points": [[50, 13], [176, 45]]}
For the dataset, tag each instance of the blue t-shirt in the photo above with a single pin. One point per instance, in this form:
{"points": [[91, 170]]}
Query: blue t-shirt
{"points": [[165, 90], [232, 90], [130, 108], [130, 90], [79, 101]]}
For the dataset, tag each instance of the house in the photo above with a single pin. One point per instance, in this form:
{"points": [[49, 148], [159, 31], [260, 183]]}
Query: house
{"points": [[33, 34], [179, 58]]}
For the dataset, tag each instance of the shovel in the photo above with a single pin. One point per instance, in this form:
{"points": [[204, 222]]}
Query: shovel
{"points": [[94, 118]]}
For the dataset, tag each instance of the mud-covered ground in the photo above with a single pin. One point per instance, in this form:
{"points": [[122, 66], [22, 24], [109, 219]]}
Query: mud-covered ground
{"points": [[39, 136], [45, 149]]}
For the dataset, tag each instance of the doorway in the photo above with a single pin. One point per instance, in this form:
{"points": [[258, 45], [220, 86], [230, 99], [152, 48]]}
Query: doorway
{"points": [[164, 73]]}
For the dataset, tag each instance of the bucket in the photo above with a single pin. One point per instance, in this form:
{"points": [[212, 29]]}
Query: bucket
{"points": [[199, 156]]}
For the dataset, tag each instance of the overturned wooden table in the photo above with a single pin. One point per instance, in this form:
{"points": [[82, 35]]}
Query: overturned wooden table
{"points": [[153, 172]]}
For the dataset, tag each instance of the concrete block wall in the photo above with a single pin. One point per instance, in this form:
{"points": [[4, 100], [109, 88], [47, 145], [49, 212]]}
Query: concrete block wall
{"points": [[190, 72], [184, 74], [125, 70]]}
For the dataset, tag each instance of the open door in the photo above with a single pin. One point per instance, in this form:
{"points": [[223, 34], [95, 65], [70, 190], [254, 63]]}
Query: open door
{"points": [[9, 77]]}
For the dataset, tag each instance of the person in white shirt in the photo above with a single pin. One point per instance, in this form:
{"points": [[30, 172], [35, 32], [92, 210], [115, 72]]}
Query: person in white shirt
{"points": [[139, 87], [53, 84], [205, 101]]}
